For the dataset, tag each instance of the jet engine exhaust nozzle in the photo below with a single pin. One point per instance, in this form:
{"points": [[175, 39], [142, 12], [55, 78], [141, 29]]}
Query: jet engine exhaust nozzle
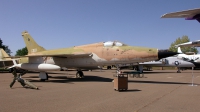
{"points": [[165, 53]]}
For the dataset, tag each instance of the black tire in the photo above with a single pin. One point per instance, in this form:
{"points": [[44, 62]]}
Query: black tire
{"points": [[108, 67], [47, 76], [10, 70], [79, 74], [42, 80], [61, 69]]}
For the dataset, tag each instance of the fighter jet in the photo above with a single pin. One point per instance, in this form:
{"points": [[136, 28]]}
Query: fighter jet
{"points": [[5, 62], [90, 56]]}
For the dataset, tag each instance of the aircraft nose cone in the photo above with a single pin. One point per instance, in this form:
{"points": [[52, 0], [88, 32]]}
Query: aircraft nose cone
{"points": [[165, 53]]}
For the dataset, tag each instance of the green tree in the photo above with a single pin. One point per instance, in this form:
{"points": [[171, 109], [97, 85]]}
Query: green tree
{"points": [[22, 52], [5, 47], [181, 40]]}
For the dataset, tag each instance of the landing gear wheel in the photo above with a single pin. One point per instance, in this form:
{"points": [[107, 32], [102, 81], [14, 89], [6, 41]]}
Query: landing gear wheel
{"points": [[42, 80], [61, 69], [10, 70], [47, 76], [79, 74]]}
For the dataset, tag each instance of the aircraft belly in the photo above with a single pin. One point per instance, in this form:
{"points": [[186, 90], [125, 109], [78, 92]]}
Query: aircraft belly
{"points": [[134, 60], [186, 64]]}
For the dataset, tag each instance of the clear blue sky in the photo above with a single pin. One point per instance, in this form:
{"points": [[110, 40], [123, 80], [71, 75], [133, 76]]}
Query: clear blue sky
{"points": [[65, 23]]}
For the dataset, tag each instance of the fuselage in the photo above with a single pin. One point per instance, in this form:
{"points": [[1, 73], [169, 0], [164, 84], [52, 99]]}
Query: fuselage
{"points": [[191, 58], [103, 53]]}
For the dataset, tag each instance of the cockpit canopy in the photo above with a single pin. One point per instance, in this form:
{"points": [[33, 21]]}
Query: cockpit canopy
{"points": [[113, 43]]}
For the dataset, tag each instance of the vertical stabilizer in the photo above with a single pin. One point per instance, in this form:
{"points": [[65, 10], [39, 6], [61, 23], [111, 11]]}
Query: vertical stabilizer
{"points": [[3, 54], [31, 45], [179, 50]]}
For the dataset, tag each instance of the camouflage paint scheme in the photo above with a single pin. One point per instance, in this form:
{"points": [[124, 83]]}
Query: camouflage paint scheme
{"points": [[5, 62], [90, 55]]}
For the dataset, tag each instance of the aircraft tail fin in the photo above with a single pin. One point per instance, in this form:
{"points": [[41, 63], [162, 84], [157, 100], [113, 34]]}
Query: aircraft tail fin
{"points": [[179, 50], [31, 45], [3, 54]]}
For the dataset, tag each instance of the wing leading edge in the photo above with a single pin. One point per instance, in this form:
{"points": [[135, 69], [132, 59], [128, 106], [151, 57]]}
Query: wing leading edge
{"points": [[56, 55], [192, 14]]}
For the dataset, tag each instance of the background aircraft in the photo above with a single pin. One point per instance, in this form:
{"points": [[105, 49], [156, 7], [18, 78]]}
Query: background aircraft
{"points": [[190, 44], [89, 56], [167, 62], [5, 62], [192, 14], [180, 60]]}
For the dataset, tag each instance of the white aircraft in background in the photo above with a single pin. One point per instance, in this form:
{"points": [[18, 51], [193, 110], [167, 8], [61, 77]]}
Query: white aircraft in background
{"points": [[192, 14], [180, 60], [190, 44]]}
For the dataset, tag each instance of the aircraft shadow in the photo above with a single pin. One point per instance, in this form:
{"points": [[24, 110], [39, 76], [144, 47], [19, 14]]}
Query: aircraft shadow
{"points": [[158, 82], [160, 72], [130, 90], [98, 71], [65, 79], [27, 88]]}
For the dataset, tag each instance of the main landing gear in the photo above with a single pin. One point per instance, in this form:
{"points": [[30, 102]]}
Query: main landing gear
{"points": [[79, 74], [43, 76], [178, 71]]}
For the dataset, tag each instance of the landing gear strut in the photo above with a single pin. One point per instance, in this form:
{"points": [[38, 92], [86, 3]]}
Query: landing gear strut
{"points": [[178, 70], [79, 74], [43, 76]]}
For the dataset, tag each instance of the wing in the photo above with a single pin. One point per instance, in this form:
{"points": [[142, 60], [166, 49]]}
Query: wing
{"points": [[63, 55], [190, 44], [187, 14], [55, 55], [155, 63]]}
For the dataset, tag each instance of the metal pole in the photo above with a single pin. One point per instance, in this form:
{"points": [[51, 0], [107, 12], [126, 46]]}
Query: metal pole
{"points": [[193, 75]]}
